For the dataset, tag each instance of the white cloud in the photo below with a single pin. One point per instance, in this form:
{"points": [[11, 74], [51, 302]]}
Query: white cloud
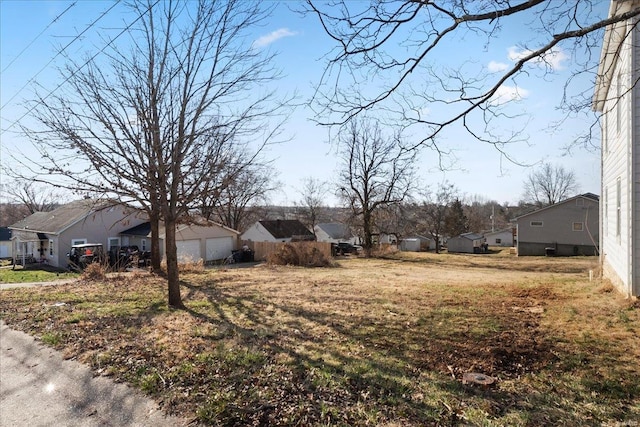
{"points": [[554, 58], [273, 37], [495, 67], [505, 94]]}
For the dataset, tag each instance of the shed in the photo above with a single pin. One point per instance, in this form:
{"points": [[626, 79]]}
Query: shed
{"points": [[5, 243], [466, 243], [416, 243]]}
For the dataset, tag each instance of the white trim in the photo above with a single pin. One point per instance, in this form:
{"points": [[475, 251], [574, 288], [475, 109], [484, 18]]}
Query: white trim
{"points": [[78, 242]]}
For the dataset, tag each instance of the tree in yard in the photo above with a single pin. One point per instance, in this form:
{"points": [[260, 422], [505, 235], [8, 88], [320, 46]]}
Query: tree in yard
{"points": [[455, 221], [162, 116], [397, 46], [376, 171], [33, 196], [434, 211], [236, 204], [309, 208], [549, 185]]}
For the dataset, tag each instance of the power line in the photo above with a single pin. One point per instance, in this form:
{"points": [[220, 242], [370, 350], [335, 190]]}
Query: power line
{"points": [[38, 36], [86, 63], [57, 55]]}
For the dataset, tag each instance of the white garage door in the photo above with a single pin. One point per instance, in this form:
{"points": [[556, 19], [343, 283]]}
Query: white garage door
{"points": [[219, 248], [188, 250]]}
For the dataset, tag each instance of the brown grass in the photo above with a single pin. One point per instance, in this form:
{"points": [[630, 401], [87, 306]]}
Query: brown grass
{"points": [[371, 342]]}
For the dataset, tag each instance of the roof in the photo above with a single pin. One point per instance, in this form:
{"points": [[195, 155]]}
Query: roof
{"points": [[59, 219], [589, 196], [28, 236], [502, 230], [201, 222], [285, 228], [470, 236], [139, 230], [335, 230], [613, 37]]}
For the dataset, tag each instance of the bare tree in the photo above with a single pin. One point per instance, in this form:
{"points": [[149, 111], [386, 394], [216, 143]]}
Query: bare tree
{"points": [[395, 43], [309, 208], [237, 203], [156, 120], [376, 172], [549, 185], [434, 210], [33, 196]]}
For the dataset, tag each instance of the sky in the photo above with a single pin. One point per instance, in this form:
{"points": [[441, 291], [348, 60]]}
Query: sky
{"points": [[32, 32]]}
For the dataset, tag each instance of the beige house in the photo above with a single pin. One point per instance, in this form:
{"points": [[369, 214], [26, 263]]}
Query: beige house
{"points": [[206, 240], [48, 236]]}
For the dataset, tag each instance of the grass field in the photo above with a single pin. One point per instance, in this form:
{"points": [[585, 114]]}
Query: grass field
{"points": [[37, 274], [369, 342]]}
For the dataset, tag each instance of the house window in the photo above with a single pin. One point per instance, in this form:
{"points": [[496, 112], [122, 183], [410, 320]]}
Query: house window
{"points": [[143, 244], [498, 241], [618, 207], [578, 226], [536, 224], [113, 242], [78, 242], [51, 247]]}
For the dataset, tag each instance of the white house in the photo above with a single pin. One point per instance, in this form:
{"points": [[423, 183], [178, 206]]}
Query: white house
{"points": [[617, 97], [502, 237], [6, 250]]}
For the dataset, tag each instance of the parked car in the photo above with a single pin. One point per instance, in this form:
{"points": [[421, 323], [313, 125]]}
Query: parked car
{"points": [[82, 255], [343, 248]]}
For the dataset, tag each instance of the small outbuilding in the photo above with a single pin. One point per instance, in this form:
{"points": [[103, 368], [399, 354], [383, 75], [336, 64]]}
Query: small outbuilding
{"points": [[467, 243], [416, 244]]}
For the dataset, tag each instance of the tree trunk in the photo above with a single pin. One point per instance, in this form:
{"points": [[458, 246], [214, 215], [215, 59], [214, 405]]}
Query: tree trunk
{"points": [[171, 254], [155, 242]]}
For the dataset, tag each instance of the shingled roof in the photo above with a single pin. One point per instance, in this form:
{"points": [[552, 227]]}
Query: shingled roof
{"points": [[58, 219], [286, 228]]}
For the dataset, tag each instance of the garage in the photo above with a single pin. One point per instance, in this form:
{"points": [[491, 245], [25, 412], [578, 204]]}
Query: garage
{"points": [[219, 248], [188, 250]]}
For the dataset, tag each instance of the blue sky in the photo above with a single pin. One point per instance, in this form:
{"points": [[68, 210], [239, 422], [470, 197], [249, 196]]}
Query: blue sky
{"points": [[30, 39]]}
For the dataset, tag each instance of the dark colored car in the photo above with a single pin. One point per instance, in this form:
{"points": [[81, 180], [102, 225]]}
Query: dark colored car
{"points": [[82, 255], [344, 248]]}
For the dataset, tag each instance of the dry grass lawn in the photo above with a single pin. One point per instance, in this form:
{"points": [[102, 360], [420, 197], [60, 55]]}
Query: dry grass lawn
{"points": [[369, 342]]}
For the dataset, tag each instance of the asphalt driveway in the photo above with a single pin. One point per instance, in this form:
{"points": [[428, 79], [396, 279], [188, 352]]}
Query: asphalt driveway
{"points": [[39, 388]]}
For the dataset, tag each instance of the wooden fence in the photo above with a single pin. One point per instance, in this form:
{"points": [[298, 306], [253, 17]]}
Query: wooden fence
{"points": [[263, 249]]}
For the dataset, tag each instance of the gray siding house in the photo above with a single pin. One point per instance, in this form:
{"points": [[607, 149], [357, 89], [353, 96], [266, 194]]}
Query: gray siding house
{"points": [[48, 236], [566, 228], [617, 98]]}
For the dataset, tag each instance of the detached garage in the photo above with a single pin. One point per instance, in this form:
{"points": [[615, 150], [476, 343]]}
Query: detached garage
{"points": [[207, 241]]}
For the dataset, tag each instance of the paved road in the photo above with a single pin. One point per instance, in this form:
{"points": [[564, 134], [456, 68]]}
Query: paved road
{"points": [[39, 388]]}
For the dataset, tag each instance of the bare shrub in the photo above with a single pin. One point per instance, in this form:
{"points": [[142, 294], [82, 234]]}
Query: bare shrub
{"points": [[186, 265], [299, 254], [191, 267], [95, 272]]}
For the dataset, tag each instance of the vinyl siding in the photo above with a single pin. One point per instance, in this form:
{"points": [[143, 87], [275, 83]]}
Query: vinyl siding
{"points": [[617, 163]]}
